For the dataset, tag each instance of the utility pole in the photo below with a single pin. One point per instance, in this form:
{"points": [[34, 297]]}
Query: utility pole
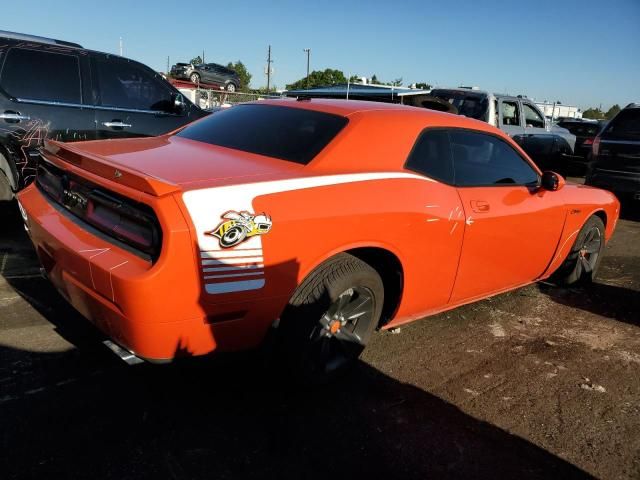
{"points": [[168, 67], [269, 62], [120, 46], [202, 55], [308, 52]]}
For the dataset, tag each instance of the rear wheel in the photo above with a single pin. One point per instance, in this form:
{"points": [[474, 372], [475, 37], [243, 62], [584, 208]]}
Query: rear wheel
{"points": [[330, 318], [194, 77], [231, 87], [584, 258]]}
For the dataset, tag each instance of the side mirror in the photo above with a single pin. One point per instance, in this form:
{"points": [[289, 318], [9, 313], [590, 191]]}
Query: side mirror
{"points": [[552, 181], [179, 104]]}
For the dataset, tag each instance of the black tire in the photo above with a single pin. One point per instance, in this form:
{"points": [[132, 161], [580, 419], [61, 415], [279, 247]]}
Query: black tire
{"points": [[583, 261], [231, 87], [194, 78], [308, 343]]}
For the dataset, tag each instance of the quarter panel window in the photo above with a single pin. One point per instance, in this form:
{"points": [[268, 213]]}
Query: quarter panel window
{"points": [[431, 156], [125, 84], [39, 75], [532, 117], [510, 113], [482, 159]]}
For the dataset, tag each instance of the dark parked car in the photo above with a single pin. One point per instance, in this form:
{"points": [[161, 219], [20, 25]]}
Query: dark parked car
{"points": [[209, 73], [585, 132], [615, 163], [55, 89], [179, 70]]}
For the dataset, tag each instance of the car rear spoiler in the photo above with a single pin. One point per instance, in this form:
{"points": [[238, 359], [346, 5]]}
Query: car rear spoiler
{"points": [[105, 168]]}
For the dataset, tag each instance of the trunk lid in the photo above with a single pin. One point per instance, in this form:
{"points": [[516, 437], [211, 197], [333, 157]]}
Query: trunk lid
{"points": [[166, 164]]}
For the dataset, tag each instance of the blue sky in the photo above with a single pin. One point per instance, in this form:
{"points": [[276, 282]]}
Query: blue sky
{"points": [[580, 52]]}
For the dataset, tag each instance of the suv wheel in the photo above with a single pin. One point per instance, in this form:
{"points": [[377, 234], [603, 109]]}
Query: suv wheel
{"points": [[194, 77], [231, 87]]}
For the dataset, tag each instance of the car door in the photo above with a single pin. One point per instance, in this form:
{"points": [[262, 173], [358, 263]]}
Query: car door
{"points": [[510, 119], [512, 227], [538, 141], [132, 100], [436, 238], [43, 95]]}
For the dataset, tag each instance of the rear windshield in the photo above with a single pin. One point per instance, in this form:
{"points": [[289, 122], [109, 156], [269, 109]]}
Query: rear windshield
{"points": [[471, 105], [625, 126], [292, 134]]}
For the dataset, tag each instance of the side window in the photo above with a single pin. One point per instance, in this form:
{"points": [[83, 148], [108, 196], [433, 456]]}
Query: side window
{"points": [[482, 159], [124, 84], [532, 117], [39, 75], [431, 156], [510, 113]]}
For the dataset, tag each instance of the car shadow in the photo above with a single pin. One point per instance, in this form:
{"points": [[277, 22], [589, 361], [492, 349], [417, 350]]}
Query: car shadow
{"points": [[615, 302], [226, 418]]}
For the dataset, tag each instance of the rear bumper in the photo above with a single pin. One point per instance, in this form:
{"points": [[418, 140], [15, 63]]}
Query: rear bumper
{"points": [[153, 310]]}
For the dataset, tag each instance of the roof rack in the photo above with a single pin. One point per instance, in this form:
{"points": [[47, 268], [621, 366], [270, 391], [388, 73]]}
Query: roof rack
{"points": [[36, 38]]}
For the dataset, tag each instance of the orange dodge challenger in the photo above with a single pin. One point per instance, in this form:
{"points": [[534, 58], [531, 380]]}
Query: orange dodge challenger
{"points": [[321, 219]]}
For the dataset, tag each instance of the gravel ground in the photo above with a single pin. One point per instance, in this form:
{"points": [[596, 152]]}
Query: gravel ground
{"points": [[537, 383]]}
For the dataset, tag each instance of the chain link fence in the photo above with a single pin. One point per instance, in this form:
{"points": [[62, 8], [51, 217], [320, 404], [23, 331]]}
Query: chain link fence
{"points": [[210, 98]]}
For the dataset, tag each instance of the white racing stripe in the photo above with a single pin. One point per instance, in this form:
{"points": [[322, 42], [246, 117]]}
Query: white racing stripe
{"points": [[231, 253], [232, 275], [205, 217], [239, 268], [230, 287]]}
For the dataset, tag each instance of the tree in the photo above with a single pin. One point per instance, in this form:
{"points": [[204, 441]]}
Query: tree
{"points": [[593, 114], [243, 74], [423, 86], [374, 80], [612, 112], [396, 83], [196, 61], [319, 78]]}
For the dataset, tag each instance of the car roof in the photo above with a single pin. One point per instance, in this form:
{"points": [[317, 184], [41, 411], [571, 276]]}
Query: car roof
{"points": [[38, 39]]}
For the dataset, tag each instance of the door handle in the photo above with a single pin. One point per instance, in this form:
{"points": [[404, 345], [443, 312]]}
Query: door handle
{"points": [[480, 206], [13, 117], [117, 124]]}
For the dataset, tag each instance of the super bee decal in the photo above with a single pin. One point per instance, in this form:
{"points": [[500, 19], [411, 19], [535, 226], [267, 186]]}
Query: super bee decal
{"points": [[237, 227]]}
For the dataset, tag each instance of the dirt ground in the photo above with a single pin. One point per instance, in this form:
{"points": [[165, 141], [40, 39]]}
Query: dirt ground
{"points": [[541, 382]]}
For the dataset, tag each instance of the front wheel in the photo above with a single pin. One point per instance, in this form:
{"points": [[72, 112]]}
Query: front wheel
{"points": [[330, 318], [584, 258], [195, 78], [231, 87]]}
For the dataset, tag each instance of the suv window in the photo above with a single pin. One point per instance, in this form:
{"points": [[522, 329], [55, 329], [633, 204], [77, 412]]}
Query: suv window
{"points": [[293, 134], [510, 113], [431, 156], [532, 117], [482, 159], [625, 125], [55, 79], [125, 84]]}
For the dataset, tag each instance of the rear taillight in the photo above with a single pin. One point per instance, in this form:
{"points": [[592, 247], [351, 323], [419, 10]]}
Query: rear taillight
{"points": [[595, 147], [588, 141], [132, 223]]}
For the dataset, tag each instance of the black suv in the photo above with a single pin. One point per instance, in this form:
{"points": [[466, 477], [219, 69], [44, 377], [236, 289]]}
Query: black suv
{"points": [[615, 163], [210, 73], [51, 89]]}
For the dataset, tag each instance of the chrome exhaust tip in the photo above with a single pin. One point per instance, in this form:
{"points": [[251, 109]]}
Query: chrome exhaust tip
{"points": [[125, 355]]}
